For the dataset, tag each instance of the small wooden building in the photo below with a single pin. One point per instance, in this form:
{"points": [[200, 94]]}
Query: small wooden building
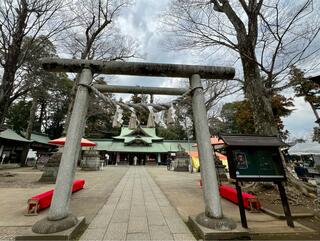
{"points": [[13, 148]]}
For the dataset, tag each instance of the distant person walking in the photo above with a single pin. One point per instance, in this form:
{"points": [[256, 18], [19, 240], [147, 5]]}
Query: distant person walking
{"points": [[135, 160], [169, 160], [301, 172], [106, 159]]}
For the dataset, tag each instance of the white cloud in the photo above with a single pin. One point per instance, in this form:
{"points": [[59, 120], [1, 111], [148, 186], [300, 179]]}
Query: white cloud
{"points": [[302, 120]]}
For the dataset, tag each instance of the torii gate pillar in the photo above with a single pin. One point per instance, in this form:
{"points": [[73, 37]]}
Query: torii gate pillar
{"points": [[59, 217], [213, 216]]}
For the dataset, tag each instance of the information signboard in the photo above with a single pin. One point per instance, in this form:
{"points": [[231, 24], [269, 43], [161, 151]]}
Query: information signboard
{"points": [[255, 163], [256, 158]]}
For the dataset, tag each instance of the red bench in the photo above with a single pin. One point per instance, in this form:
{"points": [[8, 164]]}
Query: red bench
{"points": [[249, 201], [43, 200]]}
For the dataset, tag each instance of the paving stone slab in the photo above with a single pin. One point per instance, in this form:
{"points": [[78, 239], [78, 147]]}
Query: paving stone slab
{"points": [[160, 233], [138, 236], [113, 200], [93, 234], [169, 212], [154, 219], [124, 205], [138, 225], [176, 225], [100, 221], [163, 203], [108, 208], [138, 211], [183, 237], [120, 216], [116, 231]]}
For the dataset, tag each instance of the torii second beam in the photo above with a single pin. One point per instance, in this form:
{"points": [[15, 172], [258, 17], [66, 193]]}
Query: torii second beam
{"points": [[139, 89]]}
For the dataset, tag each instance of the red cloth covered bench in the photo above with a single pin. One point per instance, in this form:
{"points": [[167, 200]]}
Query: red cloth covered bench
{"points": [[230, 194], [43, 200], [78, 185]]}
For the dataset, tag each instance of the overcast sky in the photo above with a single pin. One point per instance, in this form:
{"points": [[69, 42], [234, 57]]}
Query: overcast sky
{"points": [[141, 21]]}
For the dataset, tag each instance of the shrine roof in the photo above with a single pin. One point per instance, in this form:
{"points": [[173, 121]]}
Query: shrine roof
{"points": [[40, 138], [9, 134], [140, 132]]}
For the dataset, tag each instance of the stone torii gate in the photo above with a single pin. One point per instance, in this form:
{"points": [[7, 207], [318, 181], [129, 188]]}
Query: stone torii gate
{"points": [[59, 217]]}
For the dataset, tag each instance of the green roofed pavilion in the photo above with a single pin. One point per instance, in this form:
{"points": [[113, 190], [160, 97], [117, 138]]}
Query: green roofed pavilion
{"points": [[9, 134]]}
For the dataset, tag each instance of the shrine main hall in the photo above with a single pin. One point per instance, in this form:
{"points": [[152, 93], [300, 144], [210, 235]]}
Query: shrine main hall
{"points": [[143, 143]]}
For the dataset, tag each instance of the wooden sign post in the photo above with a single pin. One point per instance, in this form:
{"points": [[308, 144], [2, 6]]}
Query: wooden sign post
{"points": [[256, 159]]}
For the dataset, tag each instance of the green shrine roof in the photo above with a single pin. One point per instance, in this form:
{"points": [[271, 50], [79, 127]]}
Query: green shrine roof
{"points": [[13, 136], [102, 144], [162, 147], [143, 140], [132, 139], [141, 132], [40, 138]]}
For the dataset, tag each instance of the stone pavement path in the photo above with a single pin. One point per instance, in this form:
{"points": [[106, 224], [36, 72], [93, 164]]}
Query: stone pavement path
{"points": [[137, 210]]}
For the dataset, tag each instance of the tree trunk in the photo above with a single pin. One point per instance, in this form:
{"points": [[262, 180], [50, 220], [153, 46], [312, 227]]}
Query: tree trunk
{"points": [[255, 91], [11, 60], [6, 89], [315, 112], [41, 116], [3, 108], [32, 118]]}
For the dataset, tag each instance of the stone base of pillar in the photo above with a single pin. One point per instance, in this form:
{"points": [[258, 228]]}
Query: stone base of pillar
{"points": [[224, 233], [69, 234], [222, 224], [45, 226], [51, 168]]}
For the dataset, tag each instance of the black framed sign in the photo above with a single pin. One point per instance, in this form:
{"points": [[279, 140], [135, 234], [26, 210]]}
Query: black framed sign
{"points": [[256, 158], [253, 159], [255, 163]]}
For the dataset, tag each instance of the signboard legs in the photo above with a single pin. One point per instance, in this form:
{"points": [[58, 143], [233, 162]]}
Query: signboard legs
{"points": [[284, 201], [285, 204], [241, 206]]}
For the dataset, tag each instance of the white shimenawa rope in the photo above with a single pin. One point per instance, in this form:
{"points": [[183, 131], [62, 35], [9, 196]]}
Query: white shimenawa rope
{"points": [[117, 119]]}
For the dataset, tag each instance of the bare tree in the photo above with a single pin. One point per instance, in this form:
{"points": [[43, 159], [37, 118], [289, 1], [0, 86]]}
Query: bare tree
{"points": [[268, 37], [215, 91], [19, 19], [96, 36]]}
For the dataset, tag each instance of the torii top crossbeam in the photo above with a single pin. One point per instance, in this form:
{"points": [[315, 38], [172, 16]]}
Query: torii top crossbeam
{"points": [[137, 68]]}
